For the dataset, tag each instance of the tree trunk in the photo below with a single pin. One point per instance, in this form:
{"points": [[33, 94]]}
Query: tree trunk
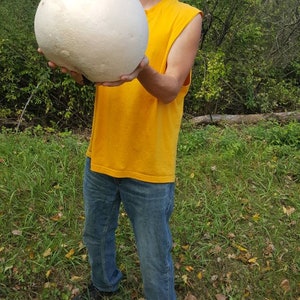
{"points": [[246, 119]]}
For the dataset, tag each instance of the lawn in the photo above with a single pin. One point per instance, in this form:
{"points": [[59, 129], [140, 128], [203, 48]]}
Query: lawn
{"points": [[236, 227]]}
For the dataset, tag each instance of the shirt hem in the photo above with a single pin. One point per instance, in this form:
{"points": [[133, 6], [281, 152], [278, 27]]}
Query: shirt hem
{"points": [[133, 175]]}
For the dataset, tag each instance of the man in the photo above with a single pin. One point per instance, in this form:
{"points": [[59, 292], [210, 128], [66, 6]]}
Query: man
{"points": [[132, 153]]}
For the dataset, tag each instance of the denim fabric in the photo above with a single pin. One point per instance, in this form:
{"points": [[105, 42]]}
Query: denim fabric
{"points": [[149, 207]]}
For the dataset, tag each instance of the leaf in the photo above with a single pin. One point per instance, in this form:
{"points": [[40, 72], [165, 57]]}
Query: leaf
{"points": [[239, 247], [47, 253], [267, 268], [76, 278], [189, 268], [288, 210], [17, 232], [57, 217], [70, 253], [231, 235], [285, 285], [84, 257], [185, 247], [48, 273], [252, 260], [220, 297], [189, 296], [214, 278], [49, 285], [256, 217], [200, 275], [185, 279], [31, 255], [213, 168]]}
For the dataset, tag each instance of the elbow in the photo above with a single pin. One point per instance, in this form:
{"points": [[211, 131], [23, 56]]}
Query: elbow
{"points": [[169, 97], [166, 100]]}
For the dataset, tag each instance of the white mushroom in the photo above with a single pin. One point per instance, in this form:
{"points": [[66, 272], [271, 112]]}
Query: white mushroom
{"points": [[102, 39]]}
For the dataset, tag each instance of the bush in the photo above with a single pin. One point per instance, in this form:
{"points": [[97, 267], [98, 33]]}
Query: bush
{"points": [[238, 68]]}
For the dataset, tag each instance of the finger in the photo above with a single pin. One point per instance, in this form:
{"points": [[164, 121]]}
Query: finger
{"points": [[52, 65], [64, 70], [112, 83]]}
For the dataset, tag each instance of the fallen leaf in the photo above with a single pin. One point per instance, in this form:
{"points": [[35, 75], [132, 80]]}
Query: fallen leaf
{"points": [[269, 249], [252, 260], [189, 268], [48, 273], [247, 294], [57, 217], [47, 253], [70, 253], [288, 210], [231, 235], [256, 217], [84, 257], [239, 247], [189, 296], [220, 297], [177, 265], [185, 279], [267, 268], [285, 285], [76, 278], [75, 291], [185, 247], [217, 249], [200, 275], [49, 285], [17, 232]]}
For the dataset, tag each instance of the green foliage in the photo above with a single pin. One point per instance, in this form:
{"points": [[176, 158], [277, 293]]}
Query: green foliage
{"points": [[214, 74], [259, 72]]}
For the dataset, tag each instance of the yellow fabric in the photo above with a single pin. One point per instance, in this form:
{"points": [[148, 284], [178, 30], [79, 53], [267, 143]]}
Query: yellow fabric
{"points": [[134, 135]]}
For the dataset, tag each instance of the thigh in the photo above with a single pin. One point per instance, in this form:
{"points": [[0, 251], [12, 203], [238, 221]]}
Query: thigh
{"points": [[101, 201], [149, 207]]}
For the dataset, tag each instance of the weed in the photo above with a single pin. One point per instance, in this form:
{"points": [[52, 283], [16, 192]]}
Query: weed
{"points": [[235, 225]]}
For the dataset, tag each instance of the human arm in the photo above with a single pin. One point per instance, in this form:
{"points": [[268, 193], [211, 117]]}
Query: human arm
{"points": [[165, 87]]}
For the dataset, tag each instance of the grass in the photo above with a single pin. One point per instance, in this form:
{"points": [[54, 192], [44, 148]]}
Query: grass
{"points": [[235, 225]]}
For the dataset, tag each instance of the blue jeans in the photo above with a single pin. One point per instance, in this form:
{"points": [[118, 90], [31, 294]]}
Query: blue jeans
{"points": [[149, 207]]}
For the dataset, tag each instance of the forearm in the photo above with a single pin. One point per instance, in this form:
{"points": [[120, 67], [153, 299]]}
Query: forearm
{"points": [[164, 87]]}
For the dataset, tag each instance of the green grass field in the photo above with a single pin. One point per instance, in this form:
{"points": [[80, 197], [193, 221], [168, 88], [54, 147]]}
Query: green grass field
{"points": [[235, 227]]}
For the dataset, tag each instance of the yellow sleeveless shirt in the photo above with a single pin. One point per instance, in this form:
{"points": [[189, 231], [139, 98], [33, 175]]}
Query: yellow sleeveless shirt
{"points": [[134, 135]]}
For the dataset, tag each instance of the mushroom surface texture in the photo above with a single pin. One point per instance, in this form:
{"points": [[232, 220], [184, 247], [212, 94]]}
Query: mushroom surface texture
{"points": [[101, 39]]}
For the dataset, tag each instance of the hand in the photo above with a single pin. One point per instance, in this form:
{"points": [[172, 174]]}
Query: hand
{"points": [[129, 77], [76, 76]]}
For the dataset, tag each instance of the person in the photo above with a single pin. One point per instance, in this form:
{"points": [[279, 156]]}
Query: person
{"points": [[132, 153]]}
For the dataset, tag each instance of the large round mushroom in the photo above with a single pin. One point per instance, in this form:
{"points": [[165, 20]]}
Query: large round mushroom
{"points": [[101, 39]]}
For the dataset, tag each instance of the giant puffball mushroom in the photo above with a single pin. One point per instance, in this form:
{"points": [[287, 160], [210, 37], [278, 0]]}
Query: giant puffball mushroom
{"points": [[101, 39]]}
